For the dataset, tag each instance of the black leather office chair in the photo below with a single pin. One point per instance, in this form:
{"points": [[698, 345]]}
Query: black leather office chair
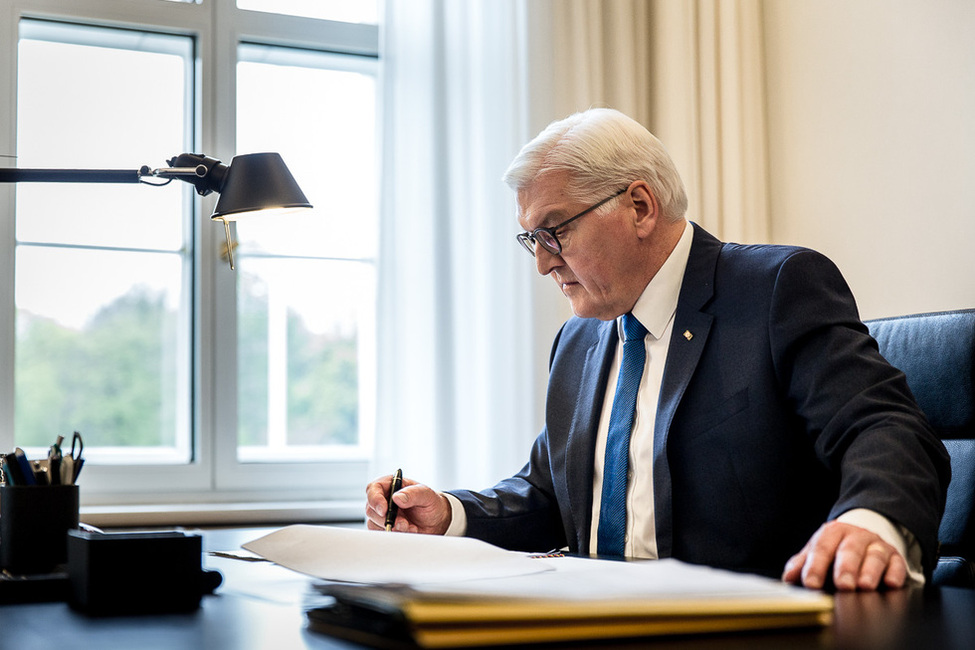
{"points": [[937, 353]]}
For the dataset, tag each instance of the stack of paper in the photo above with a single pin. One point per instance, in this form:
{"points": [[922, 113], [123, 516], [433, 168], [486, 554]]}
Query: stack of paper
{"points": [[429, 591]]}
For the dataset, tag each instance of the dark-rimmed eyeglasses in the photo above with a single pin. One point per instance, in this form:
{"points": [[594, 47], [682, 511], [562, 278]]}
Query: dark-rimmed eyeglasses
{"points": [[546, 237]]}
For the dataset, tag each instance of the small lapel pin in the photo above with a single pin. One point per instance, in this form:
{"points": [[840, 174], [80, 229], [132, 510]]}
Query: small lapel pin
{"points": [[688, 335]]}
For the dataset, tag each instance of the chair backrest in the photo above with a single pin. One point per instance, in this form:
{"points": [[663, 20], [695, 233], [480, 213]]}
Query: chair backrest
{"points": [[937, 353]]}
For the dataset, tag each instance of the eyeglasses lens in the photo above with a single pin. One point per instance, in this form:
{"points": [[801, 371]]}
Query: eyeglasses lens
{"points": [[548, 241]]}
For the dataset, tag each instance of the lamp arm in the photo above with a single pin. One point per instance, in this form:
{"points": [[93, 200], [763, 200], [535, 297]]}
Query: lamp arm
{"points": [[18, 175], [205, 173]]}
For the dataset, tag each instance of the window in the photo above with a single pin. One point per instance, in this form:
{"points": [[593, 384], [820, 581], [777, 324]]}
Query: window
{"points": [[190, 382], [306, 293], [102, 314]]}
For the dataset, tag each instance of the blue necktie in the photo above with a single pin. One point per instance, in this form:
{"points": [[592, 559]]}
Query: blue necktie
{"points": [[611, 533]]}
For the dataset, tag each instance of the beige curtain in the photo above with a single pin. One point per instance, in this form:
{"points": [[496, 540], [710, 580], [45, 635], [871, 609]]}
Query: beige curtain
{"points": [[692, 72], [708, 106], [602, 55]]}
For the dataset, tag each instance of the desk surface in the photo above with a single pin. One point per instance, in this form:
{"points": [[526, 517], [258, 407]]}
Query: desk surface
{"points": [[261, 606]]}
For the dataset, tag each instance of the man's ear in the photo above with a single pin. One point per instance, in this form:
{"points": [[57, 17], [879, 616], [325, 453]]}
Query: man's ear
{"points": [[645, 206]]}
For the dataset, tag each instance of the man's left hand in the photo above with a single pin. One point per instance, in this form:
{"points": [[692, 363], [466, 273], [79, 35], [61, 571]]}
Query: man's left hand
{"points": [[859, 559]]}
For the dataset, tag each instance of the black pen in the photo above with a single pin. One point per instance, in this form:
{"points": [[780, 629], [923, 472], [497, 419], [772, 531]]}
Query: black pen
{"points": [[391, 508]]}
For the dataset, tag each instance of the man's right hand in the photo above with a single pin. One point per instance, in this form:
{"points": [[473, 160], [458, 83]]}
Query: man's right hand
{"points": [[421, 509]]}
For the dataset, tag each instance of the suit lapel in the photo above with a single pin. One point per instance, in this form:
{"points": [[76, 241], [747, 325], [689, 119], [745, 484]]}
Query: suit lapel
{"points": [[691, 330], [580, 455]]}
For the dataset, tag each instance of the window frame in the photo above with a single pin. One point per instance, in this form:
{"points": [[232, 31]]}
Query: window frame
{"points": [[333, 488]]}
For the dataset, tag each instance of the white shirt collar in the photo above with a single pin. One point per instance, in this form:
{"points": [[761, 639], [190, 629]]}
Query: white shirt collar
{"points": [[658, 303]]}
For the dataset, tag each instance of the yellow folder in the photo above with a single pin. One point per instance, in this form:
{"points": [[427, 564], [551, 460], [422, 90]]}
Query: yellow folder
{"points": [[575, 604]]}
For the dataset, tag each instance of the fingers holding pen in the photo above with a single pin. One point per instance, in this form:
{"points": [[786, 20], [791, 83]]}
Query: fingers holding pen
{"points": [[381, 510], [377, 497], [420, 508]]}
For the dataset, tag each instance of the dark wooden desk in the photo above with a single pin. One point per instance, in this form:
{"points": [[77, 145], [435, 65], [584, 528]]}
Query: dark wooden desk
{"points": [[261, 606]]}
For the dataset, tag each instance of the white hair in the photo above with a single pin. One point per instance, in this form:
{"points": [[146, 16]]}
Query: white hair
{"points": [[603, 151]]}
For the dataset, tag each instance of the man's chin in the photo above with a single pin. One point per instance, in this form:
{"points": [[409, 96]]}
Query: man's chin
{"points": [[583, 310]]}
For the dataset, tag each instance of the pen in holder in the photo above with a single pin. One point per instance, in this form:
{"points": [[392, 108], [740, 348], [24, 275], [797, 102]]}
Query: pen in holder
{"points": [[34, 525]]}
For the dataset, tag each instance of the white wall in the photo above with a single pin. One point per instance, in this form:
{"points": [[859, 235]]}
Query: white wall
{"points": [[871, 144]]}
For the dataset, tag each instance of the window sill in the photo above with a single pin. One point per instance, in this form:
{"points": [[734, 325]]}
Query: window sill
{"points": [[222, 514]]}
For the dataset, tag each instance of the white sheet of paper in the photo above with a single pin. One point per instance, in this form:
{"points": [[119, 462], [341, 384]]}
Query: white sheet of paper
{"points": [[374, 557], [578, 578]]}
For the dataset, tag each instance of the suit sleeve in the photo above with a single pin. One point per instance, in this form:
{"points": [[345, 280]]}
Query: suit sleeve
{"points": [[863, 420]]}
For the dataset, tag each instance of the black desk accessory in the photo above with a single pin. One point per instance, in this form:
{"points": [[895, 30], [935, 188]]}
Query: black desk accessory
{"points": [[33, 523], [137, 572]]}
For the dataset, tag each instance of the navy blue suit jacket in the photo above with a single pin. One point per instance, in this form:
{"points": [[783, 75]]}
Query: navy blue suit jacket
{"points": [[775, 415]]}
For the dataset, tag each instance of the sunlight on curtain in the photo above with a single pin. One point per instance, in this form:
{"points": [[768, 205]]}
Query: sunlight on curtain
{"points": [[456, 402], [708, 107], [602, 56]]}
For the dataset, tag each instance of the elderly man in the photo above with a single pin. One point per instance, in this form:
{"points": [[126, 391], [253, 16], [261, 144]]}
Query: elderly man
{"points": [[717, 403]]}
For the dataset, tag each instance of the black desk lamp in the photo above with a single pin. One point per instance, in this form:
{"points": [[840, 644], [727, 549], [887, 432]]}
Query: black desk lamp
{"points": [[250, 183]]}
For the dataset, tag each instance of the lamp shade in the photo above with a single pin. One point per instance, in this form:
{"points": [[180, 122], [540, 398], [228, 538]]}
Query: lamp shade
{"points": [[257, 181]]}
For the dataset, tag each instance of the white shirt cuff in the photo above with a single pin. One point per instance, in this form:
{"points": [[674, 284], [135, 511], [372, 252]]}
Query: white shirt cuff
{"points": [[897, 536], [458, 517]]}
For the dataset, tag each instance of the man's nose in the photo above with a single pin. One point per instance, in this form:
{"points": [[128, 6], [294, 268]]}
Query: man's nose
{"points": [[545, 261]]}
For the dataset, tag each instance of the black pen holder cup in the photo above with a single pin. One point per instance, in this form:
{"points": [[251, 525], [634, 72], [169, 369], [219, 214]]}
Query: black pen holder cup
{"points": [[34, 525]]}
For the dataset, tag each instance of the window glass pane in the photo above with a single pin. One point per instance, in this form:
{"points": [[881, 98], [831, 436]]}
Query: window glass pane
{"points": [[307, 283], [346, 11], [299, 356], [98, 345], [73, 112], [288, 101], [102, 270]]}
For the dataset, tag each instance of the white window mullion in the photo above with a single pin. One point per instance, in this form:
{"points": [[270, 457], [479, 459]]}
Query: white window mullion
{"points": [[277, 361]]}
